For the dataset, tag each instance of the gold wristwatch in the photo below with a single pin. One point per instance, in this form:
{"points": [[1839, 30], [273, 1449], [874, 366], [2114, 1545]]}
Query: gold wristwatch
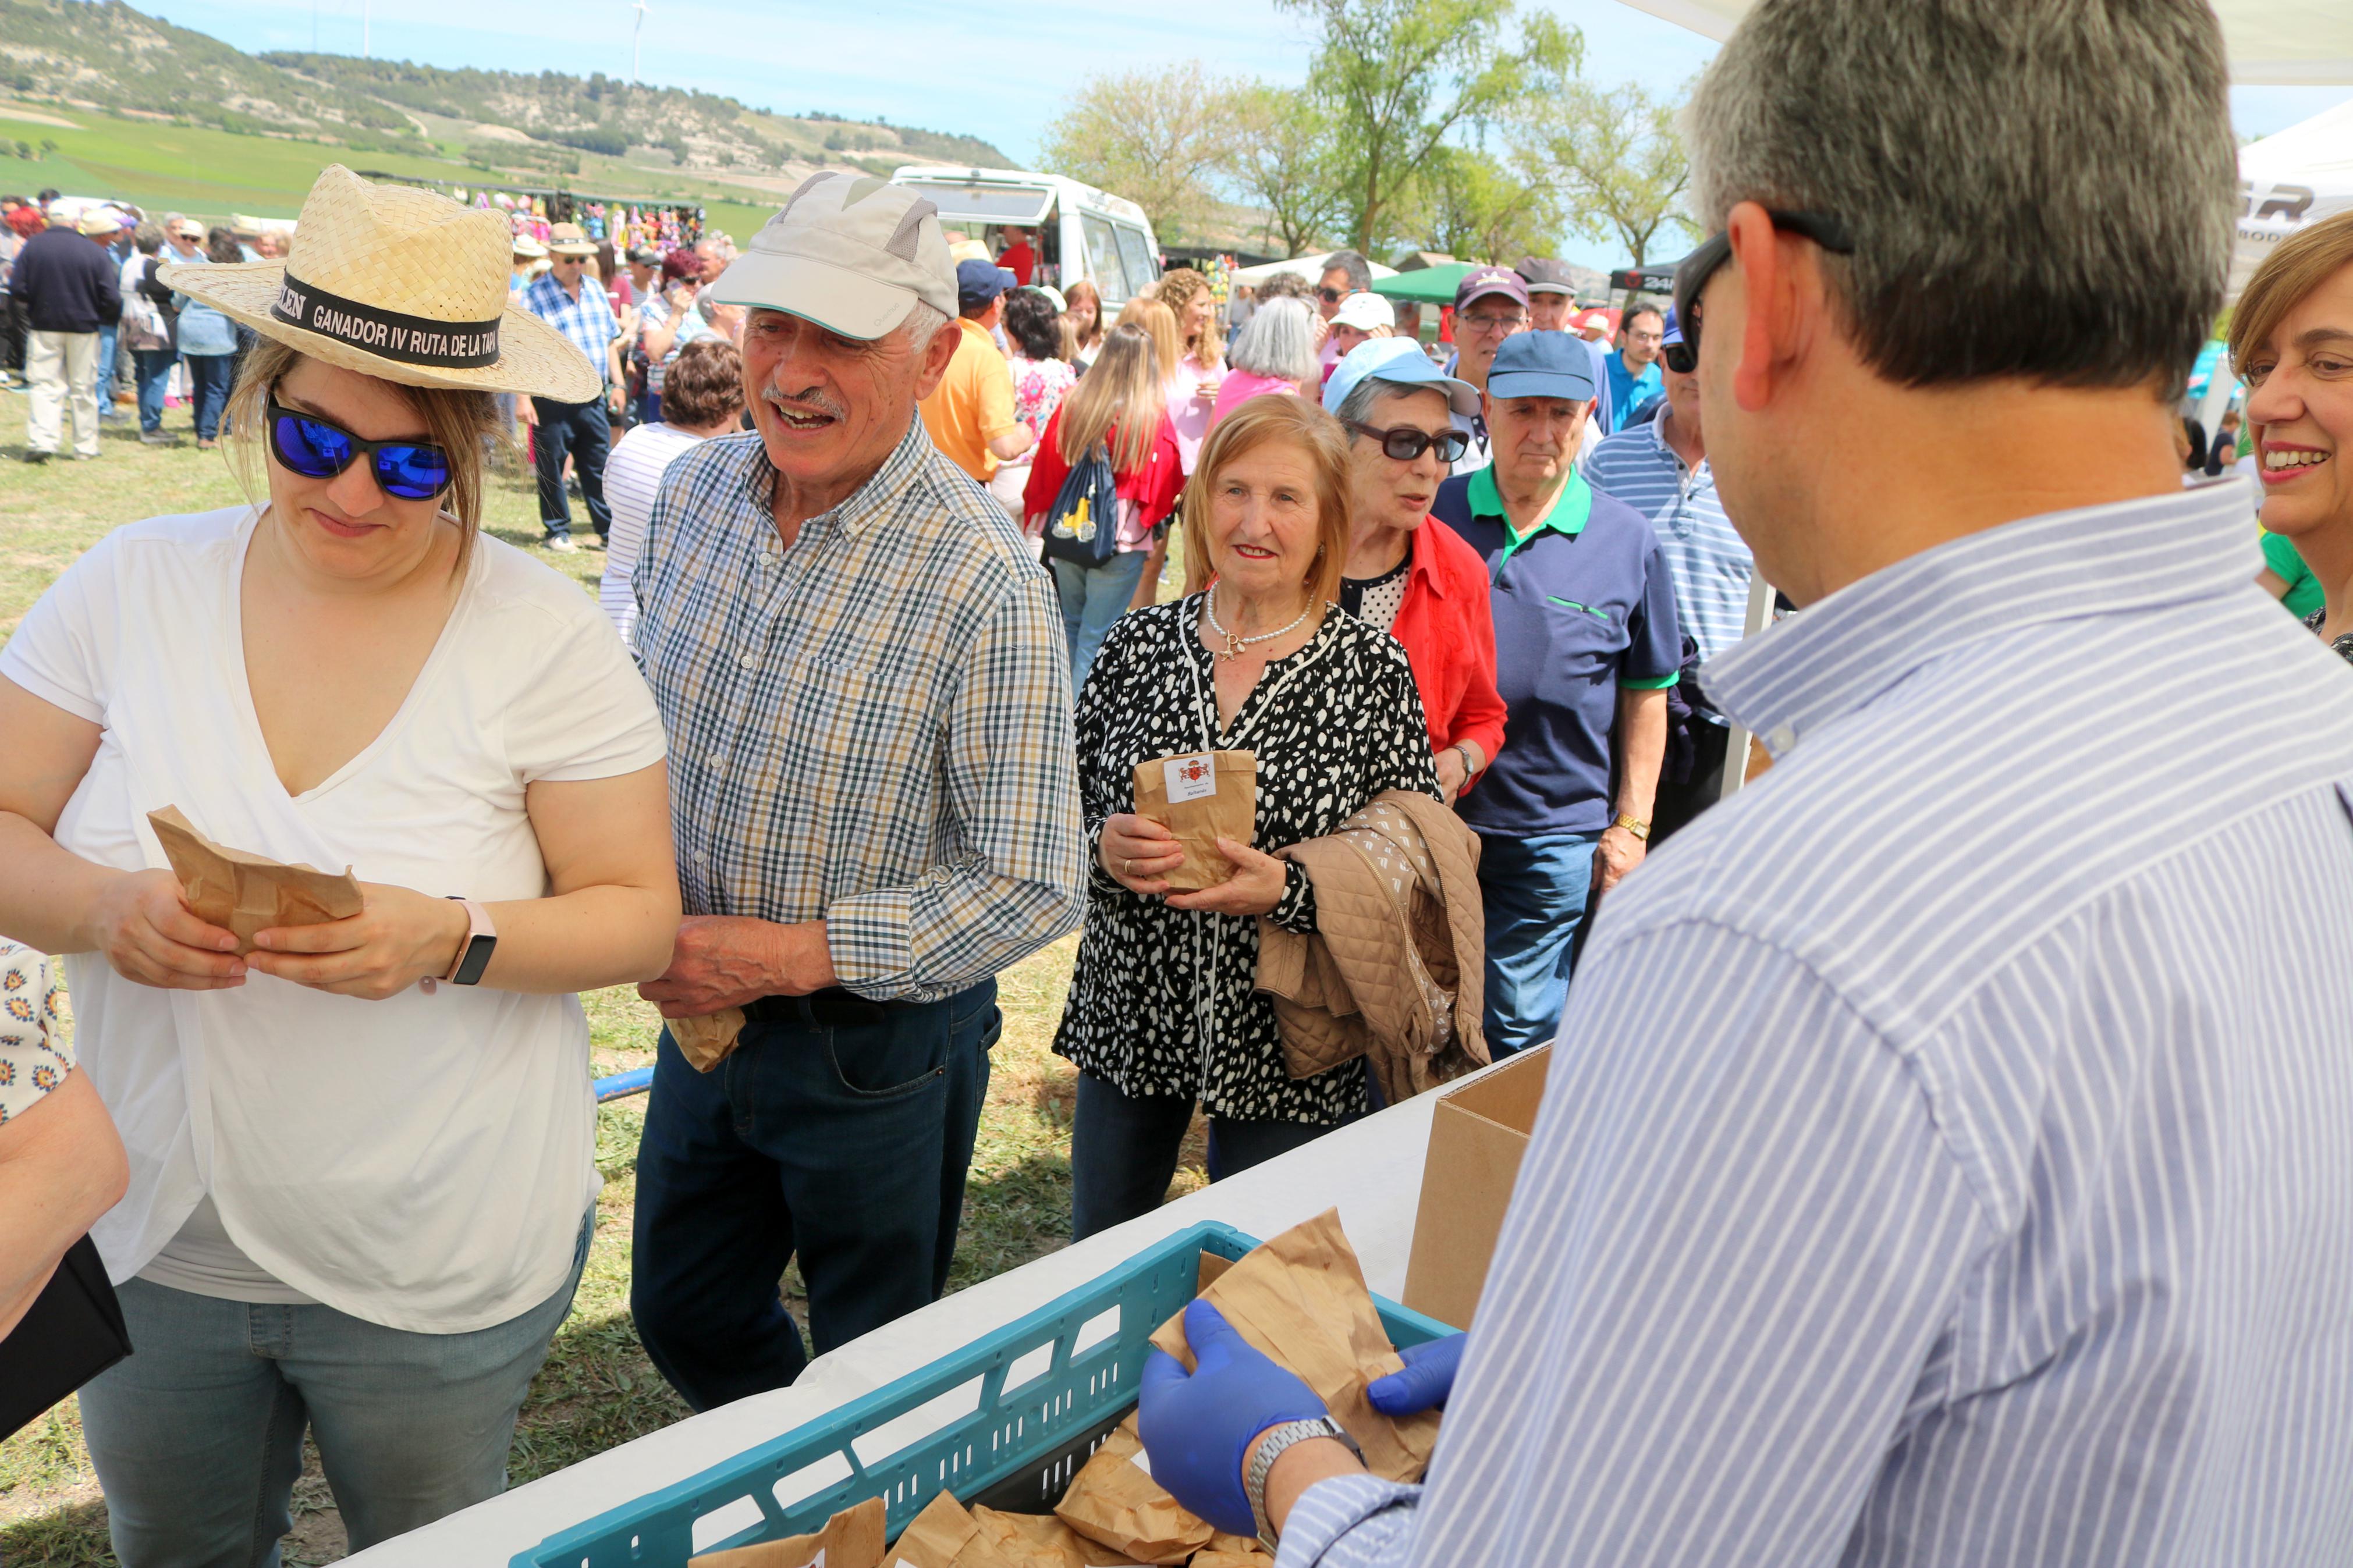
{"points": [[1633, 825]]}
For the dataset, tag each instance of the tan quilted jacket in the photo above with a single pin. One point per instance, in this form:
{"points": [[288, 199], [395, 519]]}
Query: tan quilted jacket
{"points": [[1394, 970]]}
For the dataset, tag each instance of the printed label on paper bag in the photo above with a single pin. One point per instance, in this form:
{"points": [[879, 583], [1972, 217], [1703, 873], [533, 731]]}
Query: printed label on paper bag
{"points": [[1191, 778]]}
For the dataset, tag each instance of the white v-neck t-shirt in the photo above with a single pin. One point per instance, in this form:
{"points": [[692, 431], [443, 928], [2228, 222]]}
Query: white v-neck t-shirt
{"points": [[423, 1161]]}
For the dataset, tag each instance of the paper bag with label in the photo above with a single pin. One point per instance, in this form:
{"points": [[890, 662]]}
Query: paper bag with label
{"points": [[851, 1538], [1114, 1501], [1041, 1541], [944, 1536], [706, 1042], [1302, 1299], [1201, 796], [246, 893]]}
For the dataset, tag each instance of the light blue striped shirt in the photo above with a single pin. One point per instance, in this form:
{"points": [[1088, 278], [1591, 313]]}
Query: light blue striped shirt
{"points": [[1949, 1158], [1706, 555]]}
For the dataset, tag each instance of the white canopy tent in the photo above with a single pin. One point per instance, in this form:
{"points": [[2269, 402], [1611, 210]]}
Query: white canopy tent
{"points": [[1308, 267], [2302, 174], [2272, 43]]}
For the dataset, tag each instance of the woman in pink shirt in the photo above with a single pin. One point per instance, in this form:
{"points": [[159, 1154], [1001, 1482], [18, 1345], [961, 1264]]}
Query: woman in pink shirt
{"points": [[1275, 356]]}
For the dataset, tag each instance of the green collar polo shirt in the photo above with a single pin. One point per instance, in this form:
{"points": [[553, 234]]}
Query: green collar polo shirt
{"points": [[1584, 607]]}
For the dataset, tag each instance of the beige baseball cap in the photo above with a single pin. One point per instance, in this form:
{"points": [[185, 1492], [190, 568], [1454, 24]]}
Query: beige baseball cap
{"points": [[850, 252]]}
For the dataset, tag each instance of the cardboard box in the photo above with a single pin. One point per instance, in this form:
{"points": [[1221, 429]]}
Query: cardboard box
{"points": [[1477, 1135]]}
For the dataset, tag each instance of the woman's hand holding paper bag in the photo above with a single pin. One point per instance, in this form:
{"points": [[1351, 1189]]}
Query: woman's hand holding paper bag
{"points": [[1254, 888], [1137, 853], [141, 921], [401, 937]]}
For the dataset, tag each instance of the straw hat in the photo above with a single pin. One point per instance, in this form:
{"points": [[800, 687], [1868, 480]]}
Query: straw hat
{"points": [[526, 245], [401, 284], [569, 239]]}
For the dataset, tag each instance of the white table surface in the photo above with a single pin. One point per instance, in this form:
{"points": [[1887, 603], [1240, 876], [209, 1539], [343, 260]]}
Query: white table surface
{"points": [[1371, 1170]]}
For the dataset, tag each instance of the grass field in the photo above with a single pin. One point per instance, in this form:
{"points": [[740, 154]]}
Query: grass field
{"points": [[597, 1389], [212, 174]]}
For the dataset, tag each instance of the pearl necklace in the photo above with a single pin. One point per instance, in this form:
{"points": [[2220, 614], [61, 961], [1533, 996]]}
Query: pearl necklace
{"points": [[1235, 645]]}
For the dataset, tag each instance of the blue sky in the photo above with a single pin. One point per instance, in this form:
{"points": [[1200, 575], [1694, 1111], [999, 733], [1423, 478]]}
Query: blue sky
{"points": [[997, 72]]}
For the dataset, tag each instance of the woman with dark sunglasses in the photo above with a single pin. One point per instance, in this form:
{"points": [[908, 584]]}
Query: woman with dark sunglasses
{"points": [[1424, 587], [362, 1152]]}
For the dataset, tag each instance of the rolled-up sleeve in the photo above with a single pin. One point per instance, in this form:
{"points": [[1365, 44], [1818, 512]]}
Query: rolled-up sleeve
{"points": [[1015, 881]]}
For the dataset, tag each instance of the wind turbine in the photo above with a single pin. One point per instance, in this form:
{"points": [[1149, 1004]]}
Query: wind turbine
{"points": [[636, 34]]}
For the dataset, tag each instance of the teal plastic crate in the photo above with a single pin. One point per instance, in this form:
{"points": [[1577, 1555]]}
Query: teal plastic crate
{"points": [[1007, 1422]]}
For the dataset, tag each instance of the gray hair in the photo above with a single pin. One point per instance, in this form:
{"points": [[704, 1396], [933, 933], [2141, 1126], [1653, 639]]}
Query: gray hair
{"points": [[2044, 190], [923, 321], [1371, 392], [1359, 271], [148, 238], [1278, 341]]}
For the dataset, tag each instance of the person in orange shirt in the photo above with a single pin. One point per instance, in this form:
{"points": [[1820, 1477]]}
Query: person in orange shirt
{"points": [[970, 413]]}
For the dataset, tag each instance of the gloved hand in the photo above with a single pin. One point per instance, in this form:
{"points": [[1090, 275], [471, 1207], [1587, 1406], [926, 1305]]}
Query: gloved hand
{"points": [[1199, 1428], [1427, 1380]]}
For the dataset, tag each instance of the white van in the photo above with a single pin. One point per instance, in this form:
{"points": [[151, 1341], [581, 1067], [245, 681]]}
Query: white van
{"points": [[1081, 232]]}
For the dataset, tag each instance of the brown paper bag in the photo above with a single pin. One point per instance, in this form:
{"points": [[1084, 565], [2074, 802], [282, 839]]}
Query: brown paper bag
{"points": [[944, 1536], [1041, 1541], [248, 893], [851, 1538], [1218, 1557], [1114, 1500], [1302, 1299], [706, 1042], [1201, 796]]}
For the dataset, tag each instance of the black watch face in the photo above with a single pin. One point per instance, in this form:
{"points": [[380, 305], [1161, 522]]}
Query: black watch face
{"points": [[477, 958]]}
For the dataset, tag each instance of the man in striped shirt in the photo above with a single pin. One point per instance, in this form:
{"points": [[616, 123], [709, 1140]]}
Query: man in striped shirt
{"points": [[1659, 468], [1949, 1156]]}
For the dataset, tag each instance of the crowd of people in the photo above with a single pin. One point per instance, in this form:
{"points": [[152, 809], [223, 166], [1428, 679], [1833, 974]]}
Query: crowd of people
{"points": [[1974, 1084]]}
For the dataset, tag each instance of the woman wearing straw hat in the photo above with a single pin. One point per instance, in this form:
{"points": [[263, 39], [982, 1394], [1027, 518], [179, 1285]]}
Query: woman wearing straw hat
{"points": [[361, 1154]]}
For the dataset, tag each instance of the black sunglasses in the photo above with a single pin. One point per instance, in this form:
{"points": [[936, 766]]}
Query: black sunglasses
{"points": [[1405, 443], [1693, 271], [1333, 296], [318, 448]]}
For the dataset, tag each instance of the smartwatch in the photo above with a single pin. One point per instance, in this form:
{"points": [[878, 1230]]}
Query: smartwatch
{"points": [[474, 952]]}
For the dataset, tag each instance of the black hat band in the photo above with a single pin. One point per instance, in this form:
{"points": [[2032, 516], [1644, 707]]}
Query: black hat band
{"points": [[411, 340]]}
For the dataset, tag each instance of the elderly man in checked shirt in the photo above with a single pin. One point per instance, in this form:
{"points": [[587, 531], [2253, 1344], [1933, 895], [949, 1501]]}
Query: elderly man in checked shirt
{"points": [[860, 664], [1948, 1158]]}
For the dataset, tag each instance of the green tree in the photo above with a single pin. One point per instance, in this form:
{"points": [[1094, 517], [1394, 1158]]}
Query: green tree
{"points": [[1159, 137], [48, 148], [1280, 161], [1397, 78], [1621, 166], [1469, 204]]}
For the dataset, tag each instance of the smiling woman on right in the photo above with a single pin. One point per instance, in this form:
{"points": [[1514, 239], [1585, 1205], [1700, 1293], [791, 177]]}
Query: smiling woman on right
{"points": [[2292, 339]]}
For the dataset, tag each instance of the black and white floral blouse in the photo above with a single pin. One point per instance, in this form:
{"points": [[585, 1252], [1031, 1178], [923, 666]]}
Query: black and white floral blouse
{"points": [[1162, 1001]]}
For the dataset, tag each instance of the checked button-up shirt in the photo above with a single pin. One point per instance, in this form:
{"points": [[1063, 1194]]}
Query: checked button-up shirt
{"points": [[870, 728], [586, 322]]}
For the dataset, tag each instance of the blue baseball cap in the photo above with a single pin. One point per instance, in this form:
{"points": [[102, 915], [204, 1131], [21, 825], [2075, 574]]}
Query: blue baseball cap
{"points": [[1399, 361], [1542, 365], [979, 282], [1674, 331]]}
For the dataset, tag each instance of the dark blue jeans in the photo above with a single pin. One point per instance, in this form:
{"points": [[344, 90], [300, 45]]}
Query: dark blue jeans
{"points": [[586, 431], [1123, 1150], [840, 1130], [154, 379], [208, 382], [1535, 889]]}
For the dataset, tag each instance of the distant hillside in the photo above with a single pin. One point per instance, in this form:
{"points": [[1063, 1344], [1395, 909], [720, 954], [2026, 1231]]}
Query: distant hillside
{"points": [[109, 56], [599, 114]]}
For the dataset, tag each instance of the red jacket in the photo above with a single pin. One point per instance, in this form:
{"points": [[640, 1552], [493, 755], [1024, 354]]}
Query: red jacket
{"points": [[1449, 633], [1154, 487]]}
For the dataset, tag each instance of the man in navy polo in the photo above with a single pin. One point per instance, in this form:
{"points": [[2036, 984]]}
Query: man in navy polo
{"points": [[1491, 304], [1586, 645]]}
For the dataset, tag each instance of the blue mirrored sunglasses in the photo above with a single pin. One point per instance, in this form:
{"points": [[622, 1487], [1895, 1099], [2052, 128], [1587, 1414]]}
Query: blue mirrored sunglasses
{"points": [[319, 449]]}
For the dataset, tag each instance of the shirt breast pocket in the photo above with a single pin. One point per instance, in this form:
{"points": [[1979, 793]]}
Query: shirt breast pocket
{"points": [[1583, 643]]}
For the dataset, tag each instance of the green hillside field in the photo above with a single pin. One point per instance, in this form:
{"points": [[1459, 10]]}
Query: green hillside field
{"points": [[211, 173]]}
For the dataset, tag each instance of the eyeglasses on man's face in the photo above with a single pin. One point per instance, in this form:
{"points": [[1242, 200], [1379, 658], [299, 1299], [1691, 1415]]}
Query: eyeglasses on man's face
{"points": [[1495, 325]]}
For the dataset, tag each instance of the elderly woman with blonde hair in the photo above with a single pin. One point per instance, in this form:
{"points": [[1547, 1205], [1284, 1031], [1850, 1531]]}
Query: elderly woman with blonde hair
{"points": [[2292, 341], [1162, 1012]]}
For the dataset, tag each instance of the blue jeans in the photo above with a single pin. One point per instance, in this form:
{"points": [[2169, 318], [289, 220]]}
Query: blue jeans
{"points": [[1534, 891], [840, 1130], [154, 370], [1124, 1150], [1092, 598], [586, 431], [104, 373], [208, 378], [197, 1438]]}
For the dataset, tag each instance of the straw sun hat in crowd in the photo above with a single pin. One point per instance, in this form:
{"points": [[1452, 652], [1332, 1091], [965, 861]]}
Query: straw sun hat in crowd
{"points": [[400, 284]]}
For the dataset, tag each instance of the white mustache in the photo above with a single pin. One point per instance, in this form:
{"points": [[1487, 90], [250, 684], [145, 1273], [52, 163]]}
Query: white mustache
{"points": [[806, 403]]}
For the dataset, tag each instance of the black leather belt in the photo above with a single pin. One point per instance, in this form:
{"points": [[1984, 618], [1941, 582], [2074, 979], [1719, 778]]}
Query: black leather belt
{"points": [[832, 1008]]}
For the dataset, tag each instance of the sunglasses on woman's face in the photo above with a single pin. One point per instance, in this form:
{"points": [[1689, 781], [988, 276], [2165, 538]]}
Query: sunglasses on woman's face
{"points": [[1692, 274], [319, 449], [1405, 443]]}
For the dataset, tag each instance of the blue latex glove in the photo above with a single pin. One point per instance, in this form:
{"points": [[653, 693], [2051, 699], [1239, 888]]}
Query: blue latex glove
{"points": [[1427, 1380], [1199, 1428]]}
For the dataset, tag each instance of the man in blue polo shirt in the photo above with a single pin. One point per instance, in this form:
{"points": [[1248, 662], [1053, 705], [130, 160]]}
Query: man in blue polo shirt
{"points": [[1633, 365], [1586, 645], [1659, 468]]}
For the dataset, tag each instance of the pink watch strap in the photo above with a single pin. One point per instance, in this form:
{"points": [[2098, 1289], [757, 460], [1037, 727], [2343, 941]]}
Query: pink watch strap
{"points": [[478, 923]]}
